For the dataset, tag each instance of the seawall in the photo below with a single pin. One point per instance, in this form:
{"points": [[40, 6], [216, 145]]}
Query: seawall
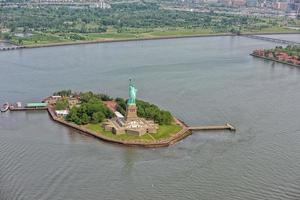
{"points": [[184, 132]]}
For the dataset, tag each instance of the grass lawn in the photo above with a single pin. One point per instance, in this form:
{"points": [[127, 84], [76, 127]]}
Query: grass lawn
{"points": [[164, 131], [110, 35], [146, 33], [39, 38], [177, 32]]}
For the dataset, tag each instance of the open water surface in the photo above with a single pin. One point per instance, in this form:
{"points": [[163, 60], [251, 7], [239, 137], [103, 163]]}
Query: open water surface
{"points": [[202, 81]]}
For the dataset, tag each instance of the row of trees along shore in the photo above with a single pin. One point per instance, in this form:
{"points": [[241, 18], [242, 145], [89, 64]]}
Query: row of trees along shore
{"points": [[93, 110]]}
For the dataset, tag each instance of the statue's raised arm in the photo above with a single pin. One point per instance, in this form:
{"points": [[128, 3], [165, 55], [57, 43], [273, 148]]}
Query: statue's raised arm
{"points": [[132, 93]]}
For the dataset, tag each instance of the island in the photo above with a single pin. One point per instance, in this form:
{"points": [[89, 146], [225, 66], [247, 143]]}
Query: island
{"points": [[287, 55], [130, 122], [124, 121]]}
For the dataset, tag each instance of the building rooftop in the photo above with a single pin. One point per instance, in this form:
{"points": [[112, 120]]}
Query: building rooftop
{"points": [[36, 105], [118, 114]]}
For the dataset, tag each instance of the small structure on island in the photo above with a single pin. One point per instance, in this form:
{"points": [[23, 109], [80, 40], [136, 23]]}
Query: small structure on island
{"points": [[131, 123], [61, 113]]}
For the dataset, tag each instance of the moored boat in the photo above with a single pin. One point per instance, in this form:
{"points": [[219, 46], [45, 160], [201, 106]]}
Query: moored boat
{"points": [[4, 107]]}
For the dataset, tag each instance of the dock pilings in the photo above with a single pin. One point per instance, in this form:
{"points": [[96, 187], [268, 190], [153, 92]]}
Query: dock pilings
{"points": [[226, 126]]}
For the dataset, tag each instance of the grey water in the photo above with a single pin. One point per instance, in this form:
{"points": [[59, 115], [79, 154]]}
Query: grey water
{"points": [[202, 81], [289, 37]]}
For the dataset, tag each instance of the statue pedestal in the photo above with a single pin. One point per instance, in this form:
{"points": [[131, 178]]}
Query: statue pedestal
{"points": [[131, 113]]}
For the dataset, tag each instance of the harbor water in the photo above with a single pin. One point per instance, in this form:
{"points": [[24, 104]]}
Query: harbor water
{"points": [[202, 81]]}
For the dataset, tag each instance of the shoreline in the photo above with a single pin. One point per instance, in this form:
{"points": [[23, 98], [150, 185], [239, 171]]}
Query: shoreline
{"points": [[139, 39], [270, 59], [184, 132]]}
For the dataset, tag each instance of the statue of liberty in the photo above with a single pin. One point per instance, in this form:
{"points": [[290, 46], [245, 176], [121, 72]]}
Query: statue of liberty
{"points": [[132, 93]]}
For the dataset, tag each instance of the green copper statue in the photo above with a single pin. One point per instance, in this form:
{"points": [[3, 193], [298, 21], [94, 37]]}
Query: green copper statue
{"points": [[132, 93]]}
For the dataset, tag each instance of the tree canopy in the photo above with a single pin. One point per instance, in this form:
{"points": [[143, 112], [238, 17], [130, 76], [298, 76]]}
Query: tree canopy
{"points": [[147, 110], [63, 93], [91, 110]]}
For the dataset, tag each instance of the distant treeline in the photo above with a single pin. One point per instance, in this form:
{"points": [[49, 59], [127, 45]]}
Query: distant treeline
{"points": [[122, 15]]}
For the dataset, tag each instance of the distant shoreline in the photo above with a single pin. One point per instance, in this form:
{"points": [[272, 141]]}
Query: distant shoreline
{"points": [[139, 39]]}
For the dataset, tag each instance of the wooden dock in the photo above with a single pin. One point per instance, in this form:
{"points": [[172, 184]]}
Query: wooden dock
{"points": [[226, 126]]}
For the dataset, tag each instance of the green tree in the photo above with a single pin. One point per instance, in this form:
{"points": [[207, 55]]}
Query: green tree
{"points": [[63, 93], [85, 119], [73, 116], [98, 117], [20, 41]]}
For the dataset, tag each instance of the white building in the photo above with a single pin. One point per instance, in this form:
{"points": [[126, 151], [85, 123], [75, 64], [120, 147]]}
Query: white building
{"points": [[61, 113]]}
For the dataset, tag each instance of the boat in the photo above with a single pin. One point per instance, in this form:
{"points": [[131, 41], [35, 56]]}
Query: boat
{"points": [[4, 107]]}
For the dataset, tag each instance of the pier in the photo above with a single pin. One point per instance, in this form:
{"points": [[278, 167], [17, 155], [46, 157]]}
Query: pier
{"points": [[26, 109], [275, 40], [226, 126]]}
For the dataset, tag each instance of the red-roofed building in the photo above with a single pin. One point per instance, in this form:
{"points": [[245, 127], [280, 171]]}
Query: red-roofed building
{"points": [[112, 105]]}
